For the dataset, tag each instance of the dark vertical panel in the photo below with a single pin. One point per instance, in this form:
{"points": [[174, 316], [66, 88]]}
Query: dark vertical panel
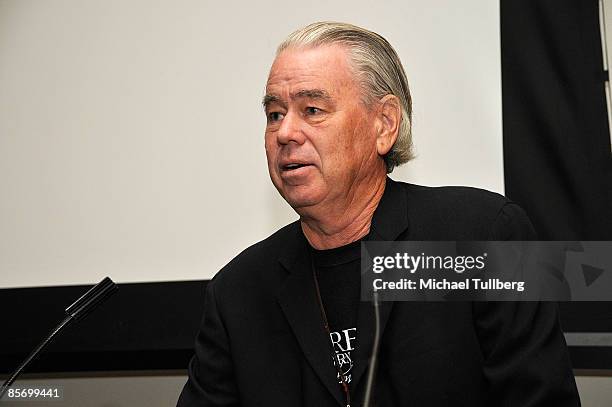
{"points": [[557, 156]]}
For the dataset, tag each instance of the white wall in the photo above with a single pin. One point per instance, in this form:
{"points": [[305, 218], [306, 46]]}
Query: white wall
{"points": [[131, 131]]}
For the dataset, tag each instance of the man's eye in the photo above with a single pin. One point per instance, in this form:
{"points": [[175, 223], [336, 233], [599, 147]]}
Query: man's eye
{"points": [[312, 110], [274, 116]]}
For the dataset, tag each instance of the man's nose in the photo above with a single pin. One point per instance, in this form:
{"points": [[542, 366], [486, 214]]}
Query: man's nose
{"points": [[291, 129]]}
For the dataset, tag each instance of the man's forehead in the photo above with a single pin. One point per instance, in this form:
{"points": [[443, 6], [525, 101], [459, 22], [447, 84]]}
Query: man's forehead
{"points": [[300, 67], [312, 55], [321, 72]]}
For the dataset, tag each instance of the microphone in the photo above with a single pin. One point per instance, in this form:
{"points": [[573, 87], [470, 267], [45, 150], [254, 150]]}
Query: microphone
{"points": [[374, 357], [79, 309]]}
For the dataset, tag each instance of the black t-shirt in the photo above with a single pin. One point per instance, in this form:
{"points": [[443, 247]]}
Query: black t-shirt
{"points": [[338, 273]]}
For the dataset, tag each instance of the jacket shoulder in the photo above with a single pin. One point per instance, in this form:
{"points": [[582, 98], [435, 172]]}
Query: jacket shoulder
{"points": [[459, 212], [456, 197], [251, 263]]}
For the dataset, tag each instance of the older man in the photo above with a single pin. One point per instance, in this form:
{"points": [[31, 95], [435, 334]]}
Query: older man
{"points": [[283, 322]]}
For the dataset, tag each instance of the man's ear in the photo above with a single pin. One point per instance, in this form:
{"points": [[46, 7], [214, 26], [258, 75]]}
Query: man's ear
{"points": [[389, 117]]}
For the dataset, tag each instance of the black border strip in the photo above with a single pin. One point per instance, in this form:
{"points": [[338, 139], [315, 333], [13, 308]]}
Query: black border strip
{"points": [[143, 326], [148, 326], [591, 357]]}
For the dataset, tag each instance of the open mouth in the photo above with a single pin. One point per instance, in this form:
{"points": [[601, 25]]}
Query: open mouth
{"points": [[294, 166]]}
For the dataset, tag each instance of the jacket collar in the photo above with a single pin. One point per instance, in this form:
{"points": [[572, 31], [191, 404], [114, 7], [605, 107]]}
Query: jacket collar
{"points": [[298, 301], [391, 216]]}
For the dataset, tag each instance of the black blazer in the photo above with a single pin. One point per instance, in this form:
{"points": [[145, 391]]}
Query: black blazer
{"points": [[262, 343]]}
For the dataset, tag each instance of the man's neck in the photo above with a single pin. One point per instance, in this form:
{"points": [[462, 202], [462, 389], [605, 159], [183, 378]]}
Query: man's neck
{"points": [[347, 223]]}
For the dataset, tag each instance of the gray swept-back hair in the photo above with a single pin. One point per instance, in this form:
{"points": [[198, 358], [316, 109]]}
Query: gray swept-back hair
{"points": [[377, 67]]}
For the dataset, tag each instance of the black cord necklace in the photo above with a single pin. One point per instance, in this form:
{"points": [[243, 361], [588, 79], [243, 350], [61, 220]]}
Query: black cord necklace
{"points": [[345, 386]]}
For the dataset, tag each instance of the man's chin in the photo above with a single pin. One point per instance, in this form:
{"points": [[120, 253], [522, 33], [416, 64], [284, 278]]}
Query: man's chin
{"points": [[301, 196], [302, 200], [300, 203]]}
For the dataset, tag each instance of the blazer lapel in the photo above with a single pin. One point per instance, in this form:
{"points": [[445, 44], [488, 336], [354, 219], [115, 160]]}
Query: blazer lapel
{"points": [[390, 221], [297, 299]]}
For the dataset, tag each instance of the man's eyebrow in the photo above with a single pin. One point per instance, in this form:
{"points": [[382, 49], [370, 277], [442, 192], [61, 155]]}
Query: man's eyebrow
{"points": [[269, 99], [312, 94], [301, 94]]}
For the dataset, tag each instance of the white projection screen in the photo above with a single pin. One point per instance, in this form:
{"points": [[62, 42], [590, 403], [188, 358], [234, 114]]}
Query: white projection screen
{"points": [[131, 131]]}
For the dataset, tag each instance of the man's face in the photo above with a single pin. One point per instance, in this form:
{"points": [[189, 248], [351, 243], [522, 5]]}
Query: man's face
{"points": [[320, 139]]}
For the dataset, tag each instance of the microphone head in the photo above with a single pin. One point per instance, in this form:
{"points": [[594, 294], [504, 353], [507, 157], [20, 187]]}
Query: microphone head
{"points": [[92, 298]]}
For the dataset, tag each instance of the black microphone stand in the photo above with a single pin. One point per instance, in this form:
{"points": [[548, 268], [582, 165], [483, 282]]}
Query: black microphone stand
{"points": [[81, 307], [374, 357]]}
